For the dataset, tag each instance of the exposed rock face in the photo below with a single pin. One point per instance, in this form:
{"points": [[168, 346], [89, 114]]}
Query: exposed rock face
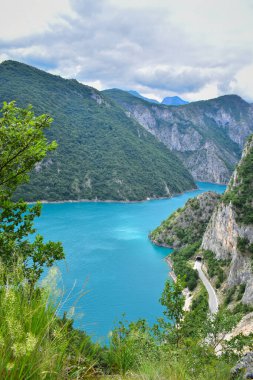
{"points": [[221, 238], [245, 366], [225, 230], [186, 225], [208, 136]]}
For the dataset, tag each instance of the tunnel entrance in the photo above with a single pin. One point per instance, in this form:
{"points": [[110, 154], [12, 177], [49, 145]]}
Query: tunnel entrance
{"points": [[199, 258]]}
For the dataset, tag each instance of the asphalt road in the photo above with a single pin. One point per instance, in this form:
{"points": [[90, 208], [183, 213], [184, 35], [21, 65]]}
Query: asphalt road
{"points": [[213, 300]]}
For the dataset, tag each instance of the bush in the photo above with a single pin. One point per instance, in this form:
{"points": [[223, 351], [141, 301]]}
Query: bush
{"points": [[214, 267], [230, 295]]}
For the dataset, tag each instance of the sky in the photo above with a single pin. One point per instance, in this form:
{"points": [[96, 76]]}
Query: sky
{"points": [[196, 49]]}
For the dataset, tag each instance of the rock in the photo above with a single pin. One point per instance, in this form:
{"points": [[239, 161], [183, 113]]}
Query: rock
{"points": [[244, 366], [208, 136]]}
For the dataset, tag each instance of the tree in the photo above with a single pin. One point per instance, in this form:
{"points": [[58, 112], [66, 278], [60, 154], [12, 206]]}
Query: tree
{"points": [[22, 145], [173, 300], [217, 326]]}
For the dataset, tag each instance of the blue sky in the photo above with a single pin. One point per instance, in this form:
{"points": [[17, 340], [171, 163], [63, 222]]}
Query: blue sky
{"points": [[196, 49]]}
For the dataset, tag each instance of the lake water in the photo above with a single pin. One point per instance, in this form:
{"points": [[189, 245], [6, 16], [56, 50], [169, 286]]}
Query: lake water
{"points": [[109, 257]]}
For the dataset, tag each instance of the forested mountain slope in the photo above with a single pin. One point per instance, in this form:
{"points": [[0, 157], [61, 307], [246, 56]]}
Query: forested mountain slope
{"points": [[207, 135], [102, 153]]}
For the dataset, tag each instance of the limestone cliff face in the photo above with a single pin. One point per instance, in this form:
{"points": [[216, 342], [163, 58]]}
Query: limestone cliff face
{"points": [[208, 136], [227, 227]]}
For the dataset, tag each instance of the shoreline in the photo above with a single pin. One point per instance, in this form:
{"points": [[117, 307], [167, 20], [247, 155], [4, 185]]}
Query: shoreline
{"points": [[214, 183], [111, 200], [170, 265], [163, 245], [43, 201]]}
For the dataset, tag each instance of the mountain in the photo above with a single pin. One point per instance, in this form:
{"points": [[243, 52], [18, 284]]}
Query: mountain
{"points": [[169, 100], [102, 153], [220, 230], [208, 136], [137, 95], [173, 101], [229, 235]]}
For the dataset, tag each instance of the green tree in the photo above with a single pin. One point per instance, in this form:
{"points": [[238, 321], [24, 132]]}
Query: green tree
{"points": [[22, 145], [173, 300], [217, 326]]}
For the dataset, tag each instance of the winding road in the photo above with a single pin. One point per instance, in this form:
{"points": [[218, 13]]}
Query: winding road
{"points": [[213, 300]]}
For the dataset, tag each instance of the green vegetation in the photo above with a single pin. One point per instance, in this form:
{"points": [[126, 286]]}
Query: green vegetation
{"points": [[22, 144], [181, 266], [186, 225], [34, 343], [214, 267], [240, 191], [244, 245], [102, 153]]}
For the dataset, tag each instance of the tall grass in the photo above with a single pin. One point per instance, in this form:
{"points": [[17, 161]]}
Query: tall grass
{"points": [[34, 342]]}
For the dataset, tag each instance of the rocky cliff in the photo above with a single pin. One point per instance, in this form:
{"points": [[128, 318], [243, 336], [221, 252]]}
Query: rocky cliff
{"points": [[208, 136], [183, 231], [229, 234], [187, 224]]}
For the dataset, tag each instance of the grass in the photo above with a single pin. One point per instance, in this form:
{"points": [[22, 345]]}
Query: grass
{"points": [[174, 368], [34, 342]]}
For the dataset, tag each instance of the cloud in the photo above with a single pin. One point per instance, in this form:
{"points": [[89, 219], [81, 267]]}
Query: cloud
{"points": [[27, 17], [193, 49]]}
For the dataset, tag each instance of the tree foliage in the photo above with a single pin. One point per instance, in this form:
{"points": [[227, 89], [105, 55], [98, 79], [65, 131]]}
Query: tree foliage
{"points": [[173, 301], [22, 145]]}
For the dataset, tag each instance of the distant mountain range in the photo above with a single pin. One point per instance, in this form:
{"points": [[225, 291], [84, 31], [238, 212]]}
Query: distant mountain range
{"points": [[173, 101], [102, 152], [169, 100], [137, 95], [208, 136]]}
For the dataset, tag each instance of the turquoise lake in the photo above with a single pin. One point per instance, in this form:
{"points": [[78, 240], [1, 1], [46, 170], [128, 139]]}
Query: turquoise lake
{"points": [[109, 257]]}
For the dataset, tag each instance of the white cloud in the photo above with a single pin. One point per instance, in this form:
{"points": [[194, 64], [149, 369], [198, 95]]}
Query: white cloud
{"points": [[243, 83], [192, 48], [20, 18]]}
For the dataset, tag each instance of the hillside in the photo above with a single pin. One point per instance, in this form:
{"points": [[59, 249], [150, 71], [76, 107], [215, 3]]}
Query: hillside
{"points": [[187, 224], [223, 237], [102, 153], [208, 136]]}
